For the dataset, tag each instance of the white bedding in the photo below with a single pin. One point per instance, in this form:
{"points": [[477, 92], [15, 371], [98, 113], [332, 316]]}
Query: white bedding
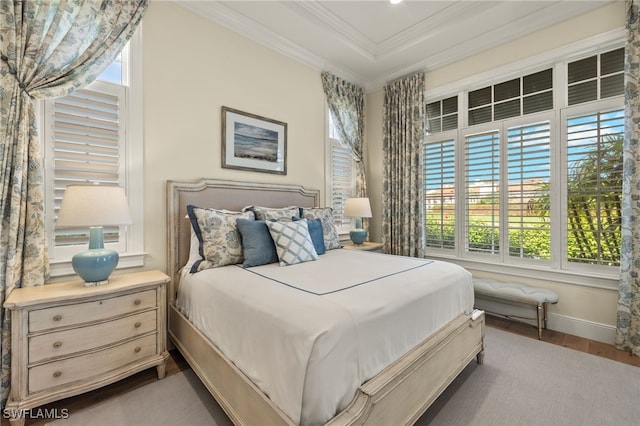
{"points": [[308, 335]]}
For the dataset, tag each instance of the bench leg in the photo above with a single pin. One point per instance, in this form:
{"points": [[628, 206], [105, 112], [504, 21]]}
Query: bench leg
{"points": [[541, 319], [544, 307]]}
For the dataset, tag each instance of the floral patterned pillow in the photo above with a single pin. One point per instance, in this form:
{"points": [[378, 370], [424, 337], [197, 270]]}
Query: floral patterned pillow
{"points": [[219, 238], [269, 213], [325, 214]]}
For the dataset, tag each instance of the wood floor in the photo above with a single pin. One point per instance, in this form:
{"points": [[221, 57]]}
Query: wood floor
{"points": [[176, 363]]}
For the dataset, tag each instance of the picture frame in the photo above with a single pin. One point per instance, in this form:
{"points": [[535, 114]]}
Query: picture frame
{"points": [[253, 143]]}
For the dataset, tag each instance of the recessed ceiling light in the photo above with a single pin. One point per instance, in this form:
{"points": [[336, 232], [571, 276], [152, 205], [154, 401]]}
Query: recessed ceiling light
{"points": [[395, 1]]}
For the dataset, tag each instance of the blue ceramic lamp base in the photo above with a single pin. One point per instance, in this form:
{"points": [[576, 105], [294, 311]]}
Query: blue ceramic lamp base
{"points": [[358, 235], [96, 264]]}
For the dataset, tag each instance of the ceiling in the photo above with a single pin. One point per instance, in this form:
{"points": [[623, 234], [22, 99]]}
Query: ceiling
{"points": [[372, 42]]}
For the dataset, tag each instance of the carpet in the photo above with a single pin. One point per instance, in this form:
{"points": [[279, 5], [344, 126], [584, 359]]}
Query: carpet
{"points": [[522, 382]]}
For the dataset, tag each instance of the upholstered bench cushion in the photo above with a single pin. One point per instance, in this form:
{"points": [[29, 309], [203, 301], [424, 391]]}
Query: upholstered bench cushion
{"points": [[502, 298], [513, 291]]}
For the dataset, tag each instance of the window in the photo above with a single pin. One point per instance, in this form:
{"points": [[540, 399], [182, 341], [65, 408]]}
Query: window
{"points": [[342, 181], [524, 95], [440, 194], [528, 180], [594, 185], [531, 175], [596, 77], [94, 135], [442, 115], [482, 191]]}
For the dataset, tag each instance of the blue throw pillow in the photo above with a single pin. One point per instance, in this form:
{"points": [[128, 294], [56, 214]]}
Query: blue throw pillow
{"points": [[257, 244], [317, 235]]}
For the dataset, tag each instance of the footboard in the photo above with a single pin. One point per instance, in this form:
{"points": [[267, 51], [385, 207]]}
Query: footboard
{"points": [[402, 392]]}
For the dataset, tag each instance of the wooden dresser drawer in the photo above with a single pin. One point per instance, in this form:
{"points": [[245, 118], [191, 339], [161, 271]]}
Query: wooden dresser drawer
{"points": [[68, 338], [66, 342], [65, 371], [68, 315]]}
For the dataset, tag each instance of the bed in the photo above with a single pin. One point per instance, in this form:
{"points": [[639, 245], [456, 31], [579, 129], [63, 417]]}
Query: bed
{"points": [[390, 388]]}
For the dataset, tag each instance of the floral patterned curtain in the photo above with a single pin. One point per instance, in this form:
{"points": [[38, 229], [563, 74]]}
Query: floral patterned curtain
{"points": [[402, 195], [47, 49], [346, 103], [628, 326]]}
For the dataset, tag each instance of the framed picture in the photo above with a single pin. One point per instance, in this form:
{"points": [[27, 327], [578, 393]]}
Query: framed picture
{"points": [[251, 142]]}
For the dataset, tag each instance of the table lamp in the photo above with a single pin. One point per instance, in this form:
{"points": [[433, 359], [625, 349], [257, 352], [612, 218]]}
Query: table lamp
{"points": [[94, 206], [358, 208]]}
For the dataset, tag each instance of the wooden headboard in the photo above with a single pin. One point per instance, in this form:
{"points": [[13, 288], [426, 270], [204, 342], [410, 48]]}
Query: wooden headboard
{"points": [[220, 194]]}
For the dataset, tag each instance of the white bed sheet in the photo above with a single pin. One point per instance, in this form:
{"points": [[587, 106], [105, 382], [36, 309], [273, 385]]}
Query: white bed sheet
{"points": [[308, 335]]}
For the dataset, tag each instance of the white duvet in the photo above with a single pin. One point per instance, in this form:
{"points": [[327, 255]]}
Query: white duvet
{"points": [[308, 335]]}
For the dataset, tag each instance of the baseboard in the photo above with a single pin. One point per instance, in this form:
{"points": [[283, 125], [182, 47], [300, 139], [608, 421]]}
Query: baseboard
{"points": [[578, 327]]}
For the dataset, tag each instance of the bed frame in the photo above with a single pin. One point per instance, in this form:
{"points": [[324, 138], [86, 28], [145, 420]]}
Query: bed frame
{"points": [[400, 394]]}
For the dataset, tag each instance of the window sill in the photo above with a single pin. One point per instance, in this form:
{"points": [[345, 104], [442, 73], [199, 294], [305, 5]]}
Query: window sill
{"points": [[587, 279], [127, 260]]}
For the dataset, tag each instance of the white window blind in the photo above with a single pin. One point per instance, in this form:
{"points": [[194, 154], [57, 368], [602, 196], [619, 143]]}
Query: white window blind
{"points": [[440, 202], [342, 181], [482, 180], [594, 185], [529, 173], [86, 148]]}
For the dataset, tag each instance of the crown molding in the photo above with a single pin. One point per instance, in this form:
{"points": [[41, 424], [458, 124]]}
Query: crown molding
{"points": [[488, 40], [239, 23], [342, 30], [432, 58]]}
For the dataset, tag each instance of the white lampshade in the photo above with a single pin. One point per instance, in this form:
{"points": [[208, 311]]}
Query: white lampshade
{"points": [[357, 207], [94, 205]]}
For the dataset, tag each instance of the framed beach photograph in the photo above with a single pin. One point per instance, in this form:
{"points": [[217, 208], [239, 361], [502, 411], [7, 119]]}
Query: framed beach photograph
{"points": [[251, 142]]}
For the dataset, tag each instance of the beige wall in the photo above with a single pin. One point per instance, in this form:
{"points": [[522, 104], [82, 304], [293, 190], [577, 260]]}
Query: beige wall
{"points": [[192, 67], [582, 310]]}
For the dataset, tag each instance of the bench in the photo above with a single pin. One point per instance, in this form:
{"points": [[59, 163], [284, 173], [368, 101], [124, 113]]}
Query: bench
{"points": [[509, 296]]}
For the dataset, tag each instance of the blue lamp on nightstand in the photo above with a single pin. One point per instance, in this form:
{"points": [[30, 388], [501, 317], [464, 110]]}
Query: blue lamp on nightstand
{"points": [[358, 208], [94, 206]]}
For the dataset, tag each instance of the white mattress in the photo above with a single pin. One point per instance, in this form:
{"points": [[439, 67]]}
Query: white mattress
{"points": [[308, 335]]}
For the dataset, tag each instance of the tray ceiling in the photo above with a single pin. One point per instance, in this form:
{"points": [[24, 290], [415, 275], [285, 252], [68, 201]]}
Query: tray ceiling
{"points": [[371, 42]]}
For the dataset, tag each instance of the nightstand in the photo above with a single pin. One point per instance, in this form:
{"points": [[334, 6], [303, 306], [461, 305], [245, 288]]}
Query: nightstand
{"points": [[366, 246], [67, 339]]}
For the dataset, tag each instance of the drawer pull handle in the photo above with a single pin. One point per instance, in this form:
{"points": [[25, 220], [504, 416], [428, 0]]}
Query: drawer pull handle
{"points": [[137, 325], [57, 374], [57, 317], [57, 345], [137, 349], [137, 302]]}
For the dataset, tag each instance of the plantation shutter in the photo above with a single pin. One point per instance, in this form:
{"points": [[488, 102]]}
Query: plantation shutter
{"points": [[596, 77], [529, 172], [439, 180], [86, 133], [482, 179], [594, 184], [343, 181]]}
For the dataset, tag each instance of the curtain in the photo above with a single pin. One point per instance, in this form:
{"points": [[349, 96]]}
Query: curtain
{"points": [[628, 324], [47, 49], [346, 104], [402, 195]]}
